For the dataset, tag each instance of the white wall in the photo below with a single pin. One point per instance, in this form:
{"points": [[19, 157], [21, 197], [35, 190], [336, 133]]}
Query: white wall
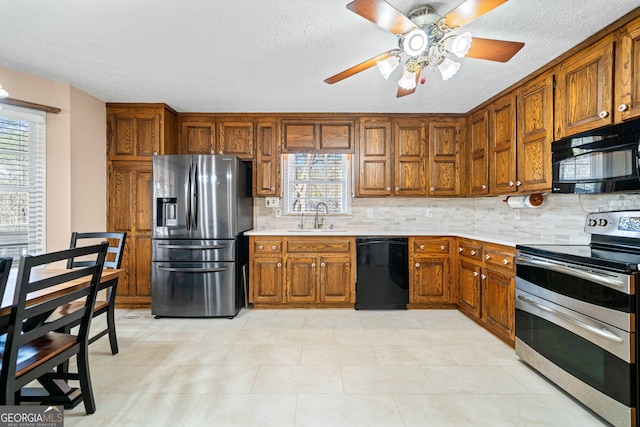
{"points": [[70, 206]]}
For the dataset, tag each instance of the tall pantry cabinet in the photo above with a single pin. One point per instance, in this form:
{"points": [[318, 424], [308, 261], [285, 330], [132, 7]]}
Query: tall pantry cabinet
{"points": [[135, 132]]}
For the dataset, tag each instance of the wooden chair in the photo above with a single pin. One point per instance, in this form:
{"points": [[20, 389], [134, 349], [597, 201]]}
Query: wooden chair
{"points": [[34, 354], [113, 260], [5, 267]]}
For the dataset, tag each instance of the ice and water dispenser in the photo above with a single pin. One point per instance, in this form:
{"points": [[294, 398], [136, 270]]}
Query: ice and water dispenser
{"points": [[167, 211]]}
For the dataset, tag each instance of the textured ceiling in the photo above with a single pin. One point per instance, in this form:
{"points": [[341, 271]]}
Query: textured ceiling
{"points": [[272, 55]]}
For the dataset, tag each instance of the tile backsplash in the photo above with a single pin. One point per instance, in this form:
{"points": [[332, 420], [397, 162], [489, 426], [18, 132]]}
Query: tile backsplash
{"points": [[560, 218]]}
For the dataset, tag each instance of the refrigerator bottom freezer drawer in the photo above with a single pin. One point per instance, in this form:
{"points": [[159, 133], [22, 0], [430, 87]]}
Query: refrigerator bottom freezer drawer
{"points": [[194, 289]]}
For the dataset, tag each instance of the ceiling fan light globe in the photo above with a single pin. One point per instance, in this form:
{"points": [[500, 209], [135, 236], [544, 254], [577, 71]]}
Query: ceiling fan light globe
{"points": [[3, 93], [415, 42], [408, 80], [458, 45], [387, 66], [448, 68]]}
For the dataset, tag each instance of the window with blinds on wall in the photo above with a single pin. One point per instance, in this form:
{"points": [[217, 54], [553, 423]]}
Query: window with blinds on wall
{"points": [[22, 181], [311, 178]]}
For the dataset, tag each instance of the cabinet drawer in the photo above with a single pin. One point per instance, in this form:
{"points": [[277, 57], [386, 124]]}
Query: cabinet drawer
{"points": [[267, 246], [470, 249], [319, 244], [425, 245], [499, 256]]}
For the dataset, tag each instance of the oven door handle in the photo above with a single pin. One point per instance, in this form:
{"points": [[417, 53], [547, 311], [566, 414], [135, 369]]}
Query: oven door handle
{"points": [[603, 332], [560, 268]]}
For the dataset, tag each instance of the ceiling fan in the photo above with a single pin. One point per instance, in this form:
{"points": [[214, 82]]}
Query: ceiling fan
{"points": [[426, 39]]}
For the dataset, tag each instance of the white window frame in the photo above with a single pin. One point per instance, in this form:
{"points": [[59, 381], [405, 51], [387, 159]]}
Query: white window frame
{"points": [[34, 224], [297, 193]]}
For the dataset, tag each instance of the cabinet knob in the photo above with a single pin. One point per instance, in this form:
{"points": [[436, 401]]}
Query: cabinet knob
{"points": [[518, 183], [603, 114], [261, 247], [473, 252], [220, 151], [459, 249], [273, 248], [322, 264], [417, 265], [155, 153], [443, 247], [388, 188], [484, 187], [433, 188], [313, 265], [487, 256], [483, 277], [212, 152], [397, 188], [511, 183], [505, 261], [623, 107], [279, 264], [273, 188], [421, 246], [475, 274]]}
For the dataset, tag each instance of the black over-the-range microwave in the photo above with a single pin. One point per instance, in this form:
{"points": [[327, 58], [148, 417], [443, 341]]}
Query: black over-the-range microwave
{"points": [[602, 160]]}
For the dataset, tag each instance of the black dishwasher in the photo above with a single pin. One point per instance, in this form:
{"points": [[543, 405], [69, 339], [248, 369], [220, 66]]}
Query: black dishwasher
{"points": [[382, 273]]}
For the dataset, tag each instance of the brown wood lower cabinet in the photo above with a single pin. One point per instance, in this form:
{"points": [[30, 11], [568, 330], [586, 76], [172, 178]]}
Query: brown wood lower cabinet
{"points": [[486, 285], [302, 271], [429, 272]]}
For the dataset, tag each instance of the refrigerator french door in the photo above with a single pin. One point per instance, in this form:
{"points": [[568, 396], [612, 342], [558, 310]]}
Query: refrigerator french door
{"points": [[202, 204]]}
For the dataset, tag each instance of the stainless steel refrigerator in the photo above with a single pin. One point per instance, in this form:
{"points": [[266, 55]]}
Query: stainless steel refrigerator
{"points": [[202, 204]]}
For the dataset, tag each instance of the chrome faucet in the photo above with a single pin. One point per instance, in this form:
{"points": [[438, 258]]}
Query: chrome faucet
{"points": [[318, 223]]}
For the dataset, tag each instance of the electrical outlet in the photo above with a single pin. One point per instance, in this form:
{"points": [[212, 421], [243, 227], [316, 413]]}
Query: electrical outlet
{"points": [[272, 202], [369, 213], [429, 213]]}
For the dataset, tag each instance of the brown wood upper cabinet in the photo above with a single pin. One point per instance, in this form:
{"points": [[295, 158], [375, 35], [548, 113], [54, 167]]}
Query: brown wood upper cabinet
{"points": [[410, 159], [478, 153], [627, 82], [206, 134], [137, 131], [374, 164], [266, 165], [328, 135], [502, 145], [584, 91], [445, 135]]}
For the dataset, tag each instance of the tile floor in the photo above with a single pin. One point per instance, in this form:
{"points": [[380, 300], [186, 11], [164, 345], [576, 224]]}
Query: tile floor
{"points": [[318, 368]]}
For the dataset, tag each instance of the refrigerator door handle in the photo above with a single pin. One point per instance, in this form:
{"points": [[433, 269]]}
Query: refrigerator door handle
{"points": [[189, 197], [194, 199], [193, 246], [194, 270]]}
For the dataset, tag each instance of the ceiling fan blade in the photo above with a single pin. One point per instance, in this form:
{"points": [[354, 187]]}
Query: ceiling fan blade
{"points": [[470, 10], [493, 50], [404, 92], [357, 68], [383, 15]]}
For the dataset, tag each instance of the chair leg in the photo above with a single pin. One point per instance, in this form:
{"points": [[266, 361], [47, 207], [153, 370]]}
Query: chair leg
{"points": [[111, 325], [84, 377]]}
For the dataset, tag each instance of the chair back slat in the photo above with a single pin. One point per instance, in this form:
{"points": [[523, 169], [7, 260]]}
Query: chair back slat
{"points": [[5, 267], [115, 251]]}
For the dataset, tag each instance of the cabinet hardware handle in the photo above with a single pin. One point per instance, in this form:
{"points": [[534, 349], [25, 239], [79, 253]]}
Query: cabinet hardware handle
{"points": [[473, 252], [484, 187], [505, 261], [487, 256], [261, 247], [433, 188], [518, 183], [322, 264], [483, 277], [279, 264], [623, 107], [475, 274], [443, 247], [273, 247], [603, 114], [511, 183], [313, 265], [460, 249], [417, 264], [421, 246]]}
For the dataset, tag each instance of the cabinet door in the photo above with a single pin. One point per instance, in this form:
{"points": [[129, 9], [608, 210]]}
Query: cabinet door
{"points": [[584, 92], [502, 145], [266, 168], [444, 157], [627, 83], [336, 137], [197, 137], [133, 132], [410, 158], [535, 134], [235, 138], [477, 166], [266, 280], [469, 288], [430, 280], [336, 279], [298, 136], [375, 164], [498, 310], [301, 278]]}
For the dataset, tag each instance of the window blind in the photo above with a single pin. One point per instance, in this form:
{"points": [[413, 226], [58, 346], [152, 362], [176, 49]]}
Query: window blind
{"points": [[312, 178], [22, 181]]}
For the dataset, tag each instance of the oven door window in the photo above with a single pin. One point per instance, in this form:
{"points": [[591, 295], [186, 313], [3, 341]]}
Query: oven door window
{"points": [[581, 358]]}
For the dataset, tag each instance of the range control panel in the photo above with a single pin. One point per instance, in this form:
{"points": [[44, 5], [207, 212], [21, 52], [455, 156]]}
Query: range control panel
{"points": [[617, 223]]}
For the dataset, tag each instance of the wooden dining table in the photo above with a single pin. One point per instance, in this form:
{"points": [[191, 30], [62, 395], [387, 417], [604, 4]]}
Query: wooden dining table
{"points": [[57, 392]]}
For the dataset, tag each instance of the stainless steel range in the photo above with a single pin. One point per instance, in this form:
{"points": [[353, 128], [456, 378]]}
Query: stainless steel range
{"points": [[576, 319]]}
